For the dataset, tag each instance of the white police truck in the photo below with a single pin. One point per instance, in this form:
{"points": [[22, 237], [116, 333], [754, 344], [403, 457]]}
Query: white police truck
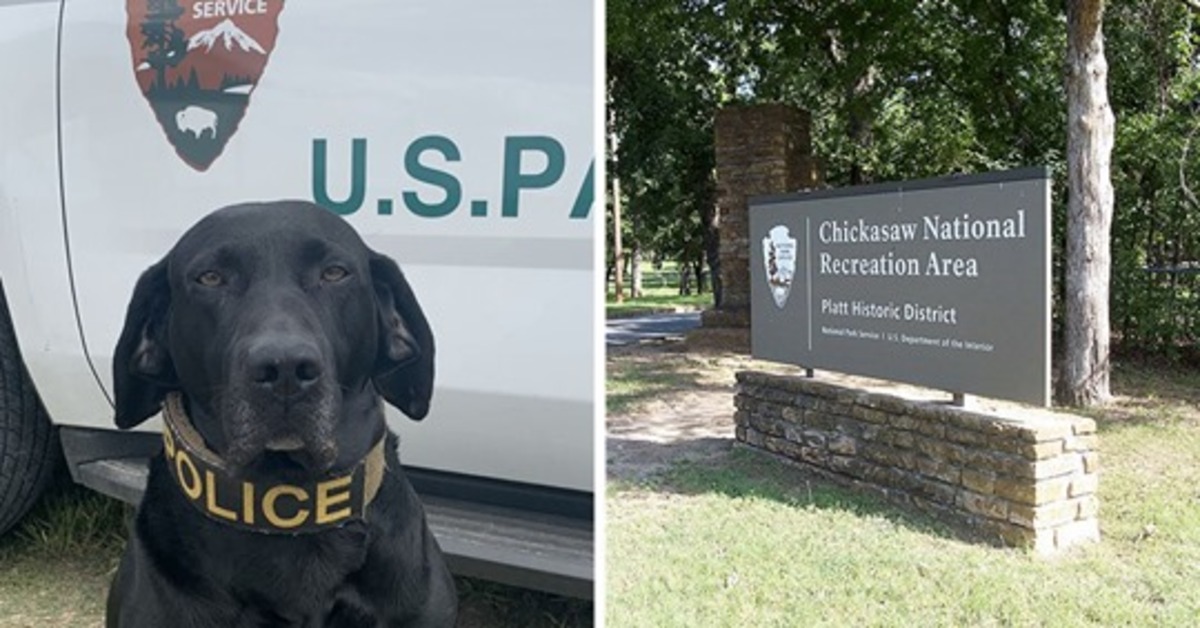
{"points": [[455, 135]]}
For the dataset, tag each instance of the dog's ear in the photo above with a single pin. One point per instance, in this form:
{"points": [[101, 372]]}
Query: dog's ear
{"points": [[404, 363], [142, 369]]}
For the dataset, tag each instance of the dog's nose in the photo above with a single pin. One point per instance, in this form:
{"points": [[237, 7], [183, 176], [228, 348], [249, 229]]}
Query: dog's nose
{"points": [[285, 367]]}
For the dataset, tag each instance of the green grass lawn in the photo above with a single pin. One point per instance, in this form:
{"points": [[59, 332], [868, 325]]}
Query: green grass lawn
{"points": [[56, 565], [660, 293], [655, 300], [747, 540]]}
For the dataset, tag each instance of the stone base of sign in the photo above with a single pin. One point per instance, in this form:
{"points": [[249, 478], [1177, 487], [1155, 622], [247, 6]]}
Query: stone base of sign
{"points": [[1026, 478]]}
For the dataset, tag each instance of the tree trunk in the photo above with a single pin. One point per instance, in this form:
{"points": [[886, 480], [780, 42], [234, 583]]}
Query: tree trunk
{"points": [[685, 281], [635, 269], [1084, 377], [712, 243], [618, 253]]}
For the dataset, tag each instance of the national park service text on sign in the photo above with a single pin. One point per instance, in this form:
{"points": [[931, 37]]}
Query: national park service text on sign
{"points": [[941, 282]]}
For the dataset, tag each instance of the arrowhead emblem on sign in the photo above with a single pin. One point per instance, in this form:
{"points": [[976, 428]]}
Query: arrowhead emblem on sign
{"points": [[197, 62], [779, 260]]}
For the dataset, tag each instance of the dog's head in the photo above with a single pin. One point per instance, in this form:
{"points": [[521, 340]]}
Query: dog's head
{"points": [[278, 324]]}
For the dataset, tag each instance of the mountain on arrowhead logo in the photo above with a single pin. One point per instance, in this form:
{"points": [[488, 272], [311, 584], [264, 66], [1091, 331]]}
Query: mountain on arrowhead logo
{"points": [[779, 260], [197, 62], [226, 32]]}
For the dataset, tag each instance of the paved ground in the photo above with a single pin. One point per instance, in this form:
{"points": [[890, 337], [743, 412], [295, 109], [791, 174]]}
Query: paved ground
{"points": [[628, 331]]}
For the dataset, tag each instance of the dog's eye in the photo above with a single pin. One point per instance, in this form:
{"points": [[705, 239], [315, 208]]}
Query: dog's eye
{"points": [[210, 279], [334, 273]]}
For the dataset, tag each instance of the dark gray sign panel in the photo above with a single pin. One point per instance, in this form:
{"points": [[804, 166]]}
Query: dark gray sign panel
{"points": [[942, 282]]}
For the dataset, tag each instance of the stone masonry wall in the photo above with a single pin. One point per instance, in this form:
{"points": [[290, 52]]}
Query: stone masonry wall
{"points": [[1027, 480], [760, 150]]}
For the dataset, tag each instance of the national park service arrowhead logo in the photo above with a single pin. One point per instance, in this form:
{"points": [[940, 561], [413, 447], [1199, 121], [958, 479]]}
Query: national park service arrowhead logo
{"points": [[779, 260], [197, 62]]}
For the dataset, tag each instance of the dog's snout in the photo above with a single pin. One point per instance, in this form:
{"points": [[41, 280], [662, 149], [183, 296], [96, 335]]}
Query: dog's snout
{"points": [[286, 367]]}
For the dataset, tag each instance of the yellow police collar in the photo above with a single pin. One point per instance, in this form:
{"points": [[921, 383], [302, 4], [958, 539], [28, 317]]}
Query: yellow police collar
{"points": [[276, 508]]}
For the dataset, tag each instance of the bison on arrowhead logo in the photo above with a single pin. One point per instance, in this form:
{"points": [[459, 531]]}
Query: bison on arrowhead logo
{"points": [[779, 260], [197, 63]]}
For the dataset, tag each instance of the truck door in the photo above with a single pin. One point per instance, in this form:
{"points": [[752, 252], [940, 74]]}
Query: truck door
{"points": [[456, 136]]}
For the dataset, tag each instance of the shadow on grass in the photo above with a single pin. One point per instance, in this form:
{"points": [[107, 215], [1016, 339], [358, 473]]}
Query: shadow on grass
{"points": [[626, 396], [743, 473], [633, 460], [1149, 393], [644, 374], [638, 384], [483, 604]]}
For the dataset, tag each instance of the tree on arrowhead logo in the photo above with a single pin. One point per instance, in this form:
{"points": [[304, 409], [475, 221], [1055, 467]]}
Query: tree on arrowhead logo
{"points": [[779, 260], [197, 62]]}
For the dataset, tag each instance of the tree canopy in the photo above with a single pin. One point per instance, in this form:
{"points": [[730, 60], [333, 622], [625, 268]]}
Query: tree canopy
{"points": [[901, 90]]}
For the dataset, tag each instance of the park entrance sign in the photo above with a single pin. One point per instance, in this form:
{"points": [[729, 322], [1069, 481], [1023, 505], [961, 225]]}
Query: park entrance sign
{"points": [[940, 282]]}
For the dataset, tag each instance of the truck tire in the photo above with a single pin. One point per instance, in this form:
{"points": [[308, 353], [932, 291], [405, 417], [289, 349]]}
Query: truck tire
{"points": [[29, 450]]}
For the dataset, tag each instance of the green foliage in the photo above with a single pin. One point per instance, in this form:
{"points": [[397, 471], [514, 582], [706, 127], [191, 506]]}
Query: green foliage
{"points": [[899, 90], [1155, 91], [662, 95]]}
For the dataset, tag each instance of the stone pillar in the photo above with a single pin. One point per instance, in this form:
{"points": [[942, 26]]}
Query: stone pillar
{"points": [[760, 150]]}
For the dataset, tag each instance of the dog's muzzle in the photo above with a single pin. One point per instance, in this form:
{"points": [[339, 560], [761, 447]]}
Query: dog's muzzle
{"points": [[264, 506]]}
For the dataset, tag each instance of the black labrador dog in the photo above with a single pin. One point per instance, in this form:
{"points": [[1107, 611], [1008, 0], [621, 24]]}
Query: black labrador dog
{"points": [[267, 336]]}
